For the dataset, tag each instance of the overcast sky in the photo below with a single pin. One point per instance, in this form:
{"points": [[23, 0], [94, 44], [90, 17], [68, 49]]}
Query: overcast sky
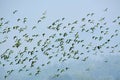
{"points": [[71, 10]]}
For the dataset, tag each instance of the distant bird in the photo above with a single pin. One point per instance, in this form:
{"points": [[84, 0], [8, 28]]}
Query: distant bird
{"points": [[106, 9], [56, 75], [5, 76], [33, 27], [114, 21], [39, 21], [119, 23], [44, 13], [105, 61], [88, 14], [48, 62], [69, 24], [83, 19], [43, 17], [43, 64], [25, 20], [62, 71], [15, 11], [43, 34], [6, 22], [1, 24], [102, 19], [63, 19], [30, 74], [85, 58], [75, 22], [66, 68], [87, 69], [1, 18], [18, 19], [92, 14], [118, 17]]}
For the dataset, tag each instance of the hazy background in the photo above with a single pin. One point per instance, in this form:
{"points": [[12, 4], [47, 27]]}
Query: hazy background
{"points": [[71, 10]]}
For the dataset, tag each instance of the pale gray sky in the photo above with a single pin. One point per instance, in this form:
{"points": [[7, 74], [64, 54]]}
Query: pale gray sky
{"points": [[71, 10]]}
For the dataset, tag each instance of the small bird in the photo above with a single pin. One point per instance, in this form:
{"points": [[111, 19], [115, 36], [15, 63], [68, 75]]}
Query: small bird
{"points": [[83, 19], [39, 21], [6, 22], [15, 11], [18, 19], [85, 58], [43, 34], [75, 22], [63, 19], [48, 62], [87, 69], [67, 68], [44, 13], [43, 17], [5, 76], [25, 20], [92, 14], [62, 71], [1, 18], [98, 47], [56, 75], [105, 61], [88, 14], [102, 19], [43, 64], [33, 27], [119, 23], [106, 10]]}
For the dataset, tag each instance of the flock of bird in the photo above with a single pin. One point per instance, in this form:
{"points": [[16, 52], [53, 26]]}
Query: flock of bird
{"points": [[63, 41]]}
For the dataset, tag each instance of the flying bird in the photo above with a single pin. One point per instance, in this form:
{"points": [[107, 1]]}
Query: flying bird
{"points": [[15, 11]]}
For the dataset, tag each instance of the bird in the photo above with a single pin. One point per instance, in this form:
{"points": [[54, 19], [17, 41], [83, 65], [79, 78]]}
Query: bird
{"points": [[92, 14], [38, 21], [25, 20], [88, 14], [75, 22], [56, 75], [102, 19], [33, 27], [15, 11], [1, 18], [5, 76], [43, 64], [106, 10], [67, 68], [83, 19], [43, 17], [43, 34], [85, 58], [6, 22], [18, 19], [62, 70], [44, 13], [63, 18], [48, 62], [88, 69]]}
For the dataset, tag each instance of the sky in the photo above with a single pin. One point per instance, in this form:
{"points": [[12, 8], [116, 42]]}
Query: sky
{"points": [[72, 10]]}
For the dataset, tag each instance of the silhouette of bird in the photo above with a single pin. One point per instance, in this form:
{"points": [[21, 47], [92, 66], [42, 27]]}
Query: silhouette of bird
{"points": [[15, 11], [106, 9]]}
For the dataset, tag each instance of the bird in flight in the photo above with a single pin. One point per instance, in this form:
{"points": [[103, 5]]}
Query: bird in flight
{"points": [[106, 10], [15, 11]]}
